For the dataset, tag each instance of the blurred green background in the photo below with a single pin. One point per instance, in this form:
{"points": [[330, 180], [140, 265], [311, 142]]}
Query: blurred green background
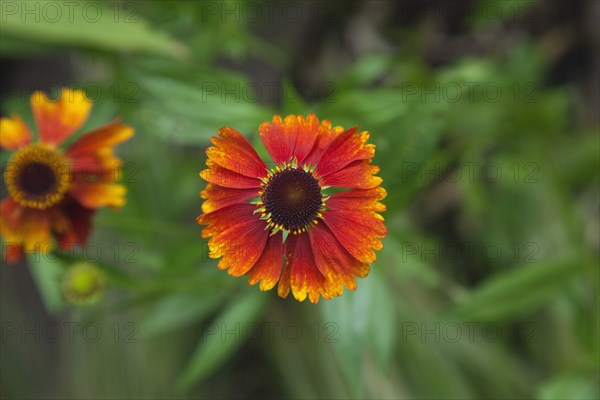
{"points": [[485, 117]]}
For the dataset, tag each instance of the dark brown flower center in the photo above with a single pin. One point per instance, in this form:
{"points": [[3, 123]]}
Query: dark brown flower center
{"points": [[292, 198], [37, 176]]}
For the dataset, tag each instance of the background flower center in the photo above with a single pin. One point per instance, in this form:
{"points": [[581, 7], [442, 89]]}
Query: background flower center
{"points": [[37, 177], [293, 198]]}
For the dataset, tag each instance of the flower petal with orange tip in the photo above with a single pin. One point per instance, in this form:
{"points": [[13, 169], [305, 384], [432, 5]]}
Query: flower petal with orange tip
{"points": [[358, 199], [347, 147], [106, 136], [59, 119], [293, 136], [10, 217], [358, 175], [218, 197], [325, 136], [305, 278], [240, 247], [268, 267], [220, 220], [25, 226], [101, 165], [35, 231], [226, 178], [233, 151], [13, 133], [98, 194], [357, 231], [334, 262], [236, 235]]}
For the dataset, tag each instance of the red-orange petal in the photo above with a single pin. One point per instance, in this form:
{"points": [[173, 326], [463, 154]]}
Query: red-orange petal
{"points": [[234, 152], [293, 136], [268, 267], [325, 136], [28, 227], [14, 133], [346, 148], [357, 230], [357, 175], [334, 262], [284, 286], [236, 235], [227, 178], [12, 253], [305, 278], [10, 216], [218, 197], [106, 136], [101, 165], [59, 119], [357, 198], [98, 194], [78, 224]]}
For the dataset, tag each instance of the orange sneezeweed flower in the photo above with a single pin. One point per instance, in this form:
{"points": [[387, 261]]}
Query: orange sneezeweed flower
{"points": [[54, 191], [282, 224]]}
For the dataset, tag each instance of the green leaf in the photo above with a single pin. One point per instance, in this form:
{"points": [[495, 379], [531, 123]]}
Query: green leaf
{"points": [[215, 346], [382, 321], [363, 322], [47, 271], [177, 311], [192, 113], [87, 25], [517, 292], [579, 386]]}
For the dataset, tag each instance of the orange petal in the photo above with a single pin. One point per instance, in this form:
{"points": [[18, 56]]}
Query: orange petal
{"points": [[357, 198], [334, 262], [218, 197], [11, 214], [102, 165], [268, 267], [236, 235], [325, 136], [57, 120], [305, 278], [357, 230], [25, 227], [344, 149], [227, 178], [235, 153], [13, 133], [105, 136], [98, 194], [294, 136], [358, 175], [284, 286]]}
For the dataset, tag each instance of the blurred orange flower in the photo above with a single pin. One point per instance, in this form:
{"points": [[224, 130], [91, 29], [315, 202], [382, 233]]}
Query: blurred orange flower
{"points": [[54, 191], [280, 224]]}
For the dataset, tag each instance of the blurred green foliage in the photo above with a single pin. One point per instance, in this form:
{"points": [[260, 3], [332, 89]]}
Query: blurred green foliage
{"points": [[487, 286]]}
